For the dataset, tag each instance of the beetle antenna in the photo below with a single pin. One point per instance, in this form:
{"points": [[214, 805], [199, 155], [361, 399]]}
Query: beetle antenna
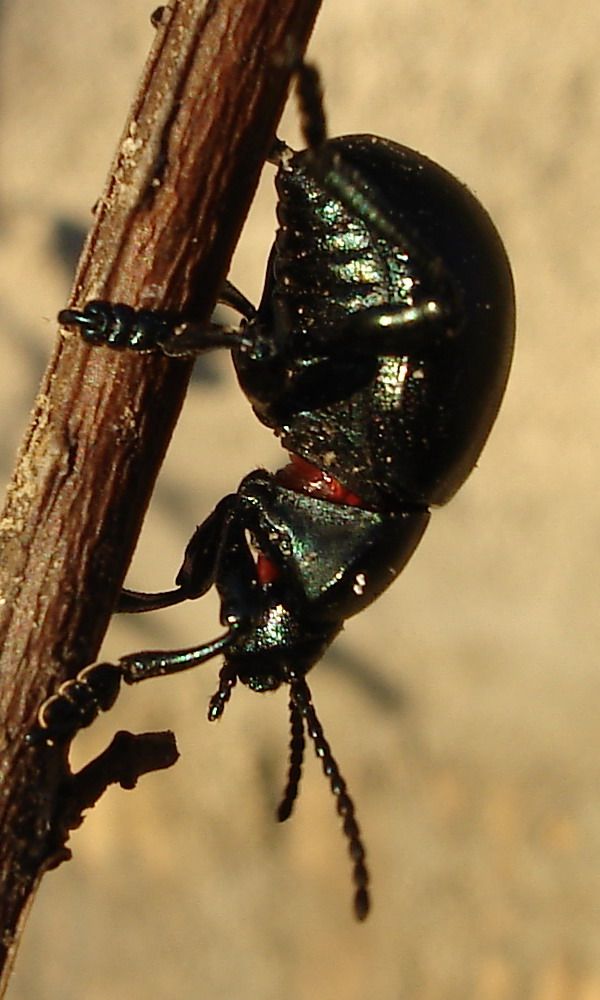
{"points": [[300, 695], [310, 105], [227, 681], [296, 757]]}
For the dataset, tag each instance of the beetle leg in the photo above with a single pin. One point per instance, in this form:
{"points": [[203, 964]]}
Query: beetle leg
{"points": [[387, 330], [158, 663], [313, 122], [218, 552], [187, 340], [135, 602], [232, 297], [234, 572], [197, 573], [79, 700], [119, 326], [309, 91], [122, 327]]}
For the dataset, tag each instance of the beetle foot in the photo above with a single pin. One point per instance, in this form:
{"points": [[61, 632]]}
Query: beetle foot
{"points": [[77, 703], [119, 326]]}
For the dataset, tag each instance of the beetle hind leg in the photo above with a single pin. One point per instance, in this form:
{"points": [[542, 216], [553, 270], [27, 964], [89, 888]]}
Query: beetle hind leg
{"points": [[313, 122], [138, 667], [309, 92]]}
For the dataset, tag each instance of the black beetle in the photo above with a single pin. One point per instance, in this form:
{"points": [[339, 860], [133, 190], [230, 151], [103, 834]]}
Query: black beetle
{"points": [[379, 355]]}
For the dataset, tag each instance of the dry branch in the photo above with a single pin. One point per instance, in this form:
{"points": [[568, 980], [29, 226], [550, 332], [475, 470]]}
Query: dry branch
{"points": [[165, 228]]}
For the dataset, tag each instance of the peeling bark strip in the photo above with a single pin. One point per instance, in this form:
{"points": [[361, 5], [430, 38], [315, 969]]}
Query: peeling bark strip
{"points": [[166, 225]]}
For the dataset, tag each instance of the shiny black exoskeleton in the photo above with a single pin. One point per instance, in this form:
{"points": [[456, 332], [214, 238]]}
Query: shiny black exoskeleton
{"points": [[379, 355]]}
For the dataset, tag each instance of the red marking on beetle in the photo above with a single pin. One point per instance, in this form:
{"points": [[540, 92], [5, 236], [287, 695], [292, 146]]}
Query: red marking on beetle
{"points": [[303, 477], [266, 570]]}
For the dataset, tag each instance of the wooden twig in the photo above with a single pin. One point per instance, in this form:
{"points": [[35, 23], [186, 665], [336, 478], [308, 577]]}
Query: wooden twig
{"points": [[123, 762], [165, 227]]}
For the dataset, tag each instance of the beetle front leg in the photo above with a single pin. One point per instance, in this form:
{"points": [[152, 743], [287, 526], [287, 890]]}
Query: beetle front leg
{"points": [[76, 704], [217, 553], [197, 573], [79, 701], [234, 573]]}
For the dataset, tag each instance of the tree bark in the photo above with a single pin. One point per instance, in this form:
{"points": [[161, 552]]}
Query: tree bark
{"points": [[165, 227]]}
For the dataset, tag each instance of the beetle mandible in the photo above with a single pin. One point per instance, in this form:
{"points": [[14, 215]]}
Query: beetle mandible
{"points": [[379, 354]]}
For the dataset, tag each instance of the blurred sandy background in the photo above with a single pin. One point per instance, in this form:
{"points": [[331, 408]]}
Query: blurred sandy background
{"points": [[463, 707]]}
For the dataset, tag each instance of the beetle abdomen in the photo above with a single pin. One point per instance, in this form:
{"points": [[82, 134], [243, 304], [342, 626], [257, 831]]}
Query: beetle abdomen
{"points": [[368, 223]]}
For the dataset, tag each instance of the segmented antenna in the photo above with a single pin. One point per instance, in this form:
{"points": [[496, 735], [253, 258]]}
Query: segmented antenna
{"points": [[301, 697], [296, 757]]}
